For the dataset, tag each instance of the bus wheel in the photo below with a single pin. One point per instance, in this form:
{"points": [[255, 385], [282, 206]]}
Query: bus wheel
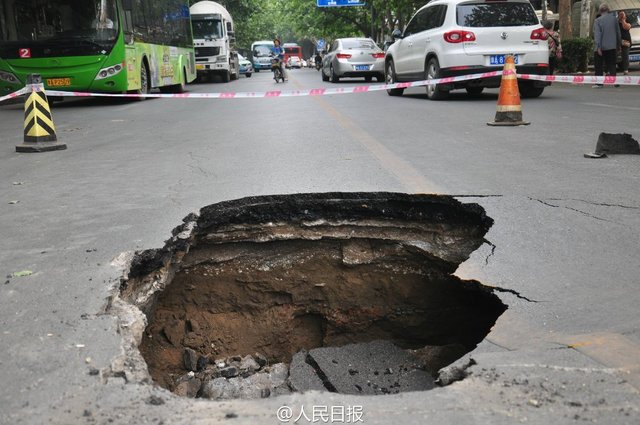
{"points": [[177, 88], [145, 86]]}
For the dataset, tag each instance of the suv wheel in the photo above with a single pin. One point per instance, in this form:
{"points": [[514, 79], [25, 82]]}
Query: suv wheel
{"points": [[474, 91], [390, 78], [528, 90], [434, 92]]}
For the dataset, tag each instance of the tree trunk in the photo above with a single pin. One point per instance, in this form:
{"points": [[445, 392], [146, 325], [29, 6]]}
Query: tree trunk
{"points": [[564, 10], [585, 18]]}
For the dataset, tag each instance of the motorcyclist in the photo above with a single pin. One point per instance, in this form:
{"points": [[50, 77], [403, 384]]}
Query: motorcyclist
{"points": [[278, 52], [318, 60]]}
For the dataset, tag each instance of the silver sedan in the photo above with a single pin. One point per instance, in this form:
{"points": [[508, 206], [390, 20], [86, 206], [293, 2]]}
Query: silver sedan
{"points": [[353, 57]]}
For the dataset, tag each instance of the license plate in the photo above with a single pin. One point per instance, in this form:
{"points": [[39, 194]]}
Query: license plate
{"points": [[500, 59], [199, 66], [634, 58], [58, 82], [361, 67]]}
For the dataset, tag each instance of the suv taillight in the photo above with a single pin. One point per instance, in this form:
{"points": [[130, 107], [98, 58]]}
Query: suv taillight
{"points": [[343, 56], [459, 36], [539, 34]]}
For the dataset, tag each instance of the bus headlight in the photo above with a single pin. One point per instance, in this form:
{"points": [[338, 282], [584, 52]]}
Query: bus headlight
{"points": [[9, 77], [109, 71]]}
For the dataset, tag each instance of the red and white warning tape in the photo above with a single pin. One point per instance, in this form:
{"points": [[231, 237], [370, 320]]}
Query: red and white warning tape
{"points": [[623, 80], [286, 93], [13, 95], [626, 80]]}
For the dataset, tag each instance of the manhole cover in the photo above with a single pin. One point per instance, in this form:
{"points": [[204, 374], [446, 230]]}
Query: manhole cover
{"points": [[350, 293]]}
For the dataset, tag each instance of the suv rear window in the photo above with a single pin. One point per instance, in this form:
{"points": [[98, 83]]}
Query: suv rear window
{"points": [[500, 14]]}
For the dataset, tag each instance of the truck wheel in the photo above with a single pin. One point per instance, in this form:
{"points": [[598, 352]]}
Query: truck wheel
{"points": [[226, 76]]}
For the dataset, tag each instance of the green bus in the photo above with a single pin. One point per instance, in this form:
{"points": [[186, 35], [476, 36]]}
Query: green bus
{"points": [[111, 46]]}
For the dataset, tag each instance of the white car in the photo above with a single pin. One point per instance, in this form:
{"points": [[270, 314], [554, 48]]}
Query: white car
{"points": [[448, 38], [295, 62]]}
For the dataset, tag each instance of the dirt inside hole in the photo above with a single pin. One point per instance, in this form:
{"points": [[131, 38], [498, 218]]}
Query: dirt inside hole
{"points": [[275, 277]]}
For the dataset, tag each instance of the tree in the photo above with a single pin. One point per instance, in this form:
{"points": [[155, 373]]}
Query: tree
{"points": [[566, 28]]}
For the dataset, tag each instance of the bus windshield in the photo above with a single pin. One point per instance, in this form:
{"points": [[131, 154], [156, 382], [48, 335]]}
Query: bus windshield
{"points": [[57, 27], [208, 28], [262, 50]]}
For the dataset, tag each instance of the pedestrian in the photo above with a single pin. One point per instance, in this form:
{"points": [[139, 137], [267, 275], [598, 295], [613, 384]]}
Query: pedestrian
{"points": [[555, 48], [607, 40], [625, 36]]}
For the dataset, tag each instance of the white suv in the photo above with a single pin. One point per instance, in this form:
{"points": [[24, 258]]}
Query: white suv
{"points": [[448, 38]]}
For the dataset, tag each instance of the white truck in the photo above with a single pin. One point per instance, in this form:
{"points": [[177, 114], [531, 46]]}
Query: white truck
{"points": [[214, 41]]}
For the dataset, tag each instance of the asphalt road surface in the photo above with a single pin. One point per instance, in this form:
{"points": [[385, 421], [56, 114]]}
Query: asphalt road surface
{"points": [[563, 250]]}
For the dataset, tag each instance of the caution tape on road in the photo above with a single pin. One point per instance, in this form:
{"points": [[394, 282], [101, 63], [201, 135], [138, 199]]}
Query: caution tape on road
{"points": [[625, 80], [13, 95], [286, 93]]}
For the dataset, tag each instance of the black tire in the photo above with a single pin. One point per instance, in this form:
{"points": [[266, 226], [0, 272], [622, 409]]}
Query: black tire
{"points": [[277, 75], [474, 91], [334, 77], [324, 77], [226, 76], [177, 88], [368, 79], [257, 69], [434, 92], [529, 91], [248, 74], [145, 85], [390, 78]]}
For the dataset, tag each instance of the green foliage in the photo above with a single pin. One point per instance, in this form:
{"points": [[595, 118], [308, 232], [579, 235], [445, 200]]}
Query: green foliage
{"points": [[296, 20], [575, 55]]}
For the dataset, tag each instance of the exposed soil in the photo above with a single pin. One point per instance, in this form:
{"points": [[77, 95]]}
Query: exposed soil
{"points": [[276, 275]]}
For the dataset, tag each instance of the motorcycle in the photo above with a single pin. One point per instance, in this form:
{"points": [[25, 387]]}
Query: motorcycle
{"points": [[276, 69]]}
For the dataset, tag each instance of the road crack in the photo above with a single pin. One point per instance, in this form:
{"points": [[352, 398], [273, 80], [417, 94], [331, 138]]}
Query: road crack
{"points": [[572, 209], [598, 204], [493, 251], [513, 292]]}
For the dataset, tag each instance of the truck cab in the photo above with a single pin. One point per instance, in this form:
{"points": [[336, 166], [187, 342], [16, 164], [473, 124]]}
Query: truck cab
{"points": [[214, 41]]}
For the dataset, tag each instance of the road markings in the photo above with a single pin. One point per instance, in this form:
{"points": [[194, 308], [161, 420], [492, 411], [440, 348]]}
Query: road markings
{"points": [[604, 105], [409, 176]]}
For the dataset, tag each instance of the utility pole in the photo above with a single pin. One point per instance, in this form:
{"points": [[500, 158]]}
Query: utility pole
{"points": [[373, 27]]}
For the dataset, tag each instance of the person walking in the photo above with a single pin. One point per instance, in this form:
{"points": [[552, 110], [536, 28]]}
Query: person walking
{"points": [[607, 40], [625, 36], [555, 48]]}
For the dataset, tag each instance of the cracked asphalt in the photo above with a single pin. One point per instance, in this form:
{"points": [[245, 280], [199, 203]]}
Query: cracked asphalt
{"points": [[563, 250]]}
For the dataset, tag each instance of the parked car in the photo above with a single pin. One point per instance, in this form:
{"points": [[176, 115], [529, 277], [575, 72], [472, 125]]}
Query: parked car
{"points": [[353, 57], [246, 67], [449, 38], [294, 62]]}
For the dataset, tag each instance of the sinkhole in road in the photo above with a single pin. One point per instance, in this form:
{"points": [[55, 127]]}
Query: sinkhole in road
{"points": [[343, 292]]}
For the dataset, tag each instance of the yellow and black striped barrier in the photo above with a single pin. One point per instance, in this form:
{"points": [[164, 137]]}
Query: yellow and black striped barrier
{"points": [[39, 130]]}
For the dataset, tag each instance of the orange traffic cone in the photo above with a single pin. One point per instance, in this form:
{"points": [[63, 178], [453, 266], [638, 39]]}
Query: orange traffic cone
{"points": [[509, 110]]}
